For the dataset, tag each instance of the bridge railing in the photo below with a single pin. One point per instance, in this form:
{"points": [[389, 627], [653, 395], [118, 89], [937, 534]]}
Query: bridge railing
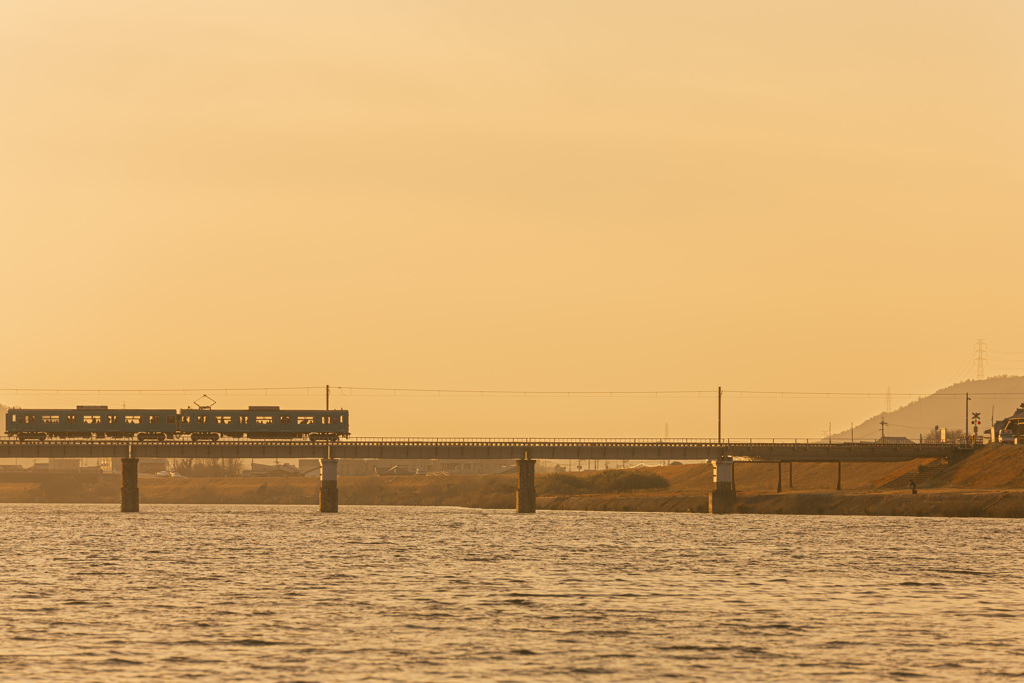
{"points": [[516, 441]]}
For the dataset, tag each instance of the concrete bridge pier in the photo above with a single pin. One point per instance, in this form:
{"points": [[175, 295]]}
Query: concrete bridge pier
{"points": [[839, 475], [779, 487], [129, 483], [328, 485], [722, 500], [526, 494]]}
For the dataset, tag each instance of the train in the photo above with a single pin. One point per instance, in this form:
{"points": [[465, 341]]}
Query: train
{"points": [[197, 424]]}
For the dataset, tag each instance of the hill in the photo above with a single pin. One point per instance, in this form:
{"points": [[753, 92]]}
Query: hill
{"points": [[995, 398]]}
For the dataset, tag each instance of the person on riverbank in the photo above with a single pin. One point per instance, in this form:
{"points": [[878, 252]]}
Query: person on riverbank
{"points": [[913, 487]]}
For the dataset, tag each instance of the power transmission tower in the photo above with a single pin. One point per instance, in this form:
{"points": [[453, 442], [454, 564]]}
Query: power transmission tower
{"points": [[888, 399], [980, 349]]}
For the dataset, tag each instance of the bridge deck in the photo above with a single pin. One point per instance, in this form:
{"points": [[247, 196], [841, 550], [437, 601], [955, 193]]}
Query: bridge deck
{"points": [[486, 449]]}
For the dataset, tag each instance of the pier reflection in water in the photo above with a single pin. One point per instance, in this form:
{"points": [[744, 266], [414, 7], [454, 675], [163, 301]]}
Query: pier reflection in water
{"points": [[272, 593]]}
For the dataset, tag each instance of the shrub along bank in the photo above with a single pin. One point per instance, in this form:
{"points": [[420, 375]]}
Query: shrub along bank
{"points": [[604, 481]]}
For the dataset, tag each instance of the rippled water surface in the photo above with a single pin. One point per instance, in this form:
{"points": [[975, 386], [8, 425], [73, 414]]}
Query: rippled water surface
{"points": [[391, 593]]}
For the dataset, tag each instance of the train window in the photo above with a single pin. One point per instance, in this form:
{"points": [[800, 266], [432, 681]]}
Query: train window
{"points": [[71, 419], [51, 419], [305, 419], [223, 419], [264, 419], [154, 419], [170, 419], [132, 419], [202, 419], [286, 419], [111, 419], [185, 419], [243, 419], [91, 419], [325, 419]]}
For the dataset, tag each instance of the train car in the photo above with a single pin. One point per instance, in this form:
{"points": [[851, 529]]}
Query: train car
{"points": [[86, 422], [263, 422]]}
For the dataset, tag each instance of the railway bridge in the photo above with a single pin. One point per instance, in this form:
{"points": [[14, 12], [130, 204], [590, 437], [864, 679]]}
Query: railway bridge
{"points": [[725, 454]]}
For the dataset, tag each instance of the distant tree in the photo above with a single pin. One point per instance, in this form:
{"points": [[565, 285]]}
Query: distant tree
{"points": [[208, 467], [604, 481], [184, 466], [954, 435]]}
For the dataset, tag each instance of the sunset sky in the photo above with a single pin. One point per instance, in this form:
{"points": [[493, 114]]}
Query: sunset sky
{"points": [[528, 196]]}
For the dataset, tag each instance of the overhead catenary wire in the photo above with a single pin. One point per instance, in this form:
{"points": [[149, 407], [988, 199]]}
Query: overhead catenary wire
{"points": [[377, 391], [963, 370]]}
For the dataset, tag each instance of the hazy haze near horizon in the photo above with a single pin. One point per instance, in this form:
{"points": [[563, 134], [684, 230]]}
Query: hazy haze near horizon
{"points": [[528, 196]]}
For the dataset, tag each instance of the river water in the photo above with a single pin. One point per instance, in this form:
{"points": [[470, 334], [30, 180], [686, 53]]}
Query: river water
{"points": [[432, 594]]}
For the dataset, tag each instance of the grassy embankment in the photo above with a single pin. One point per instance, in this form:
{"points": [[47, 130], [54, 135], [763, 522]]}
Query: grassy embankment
{"points": [[987, 483]]}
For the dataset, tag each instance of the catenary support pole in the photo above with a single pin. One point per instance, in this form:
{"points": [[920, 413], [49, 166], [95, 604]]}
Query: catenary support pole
{"points": [[839, 475], [129, 483], [328, 483], [526, 494], [719, 414]]}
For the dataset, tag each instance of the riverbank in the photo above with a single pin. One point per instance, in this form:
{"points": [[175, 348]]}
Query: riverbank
{"points": [[941, 503], [988, 483], [482, 491]]}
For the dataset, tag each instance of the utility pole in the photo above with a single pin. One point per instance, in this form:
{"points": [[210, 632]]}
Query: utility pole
{"points": [[967, 415], [719, 414], [327, 389], [883, 427]]}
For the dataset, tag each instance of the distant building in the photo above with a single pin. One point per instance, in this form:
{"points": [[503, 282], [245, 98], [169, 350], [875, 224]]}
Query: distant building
{"points": [[895, 441], [65, 464], [1013, 424], [285, 470], [146, 465]]}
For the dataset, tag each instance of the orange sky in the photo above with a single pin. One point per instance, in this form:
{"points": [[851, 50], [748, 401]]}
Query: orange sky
{"points": [[529, 196]]}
